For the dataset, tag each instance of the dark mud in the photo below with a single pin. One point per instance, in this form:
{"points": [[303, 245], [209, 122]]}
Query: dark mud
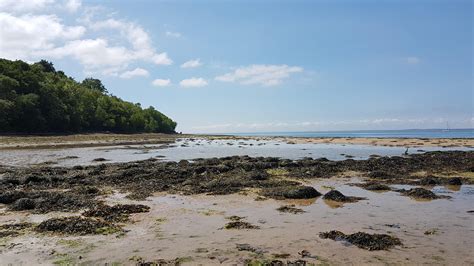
{"points": [[421, 193], [76, 225], [335, 195], [43, 189], [290, 209], [364, 240], [116, 213]]}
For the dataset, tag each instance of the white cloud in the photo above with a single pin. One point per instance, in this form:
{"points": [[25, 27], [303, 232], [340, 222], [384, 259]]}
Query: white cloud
{"points": [[27, 35], [73, 5], [102, 46], [412, 60], [193, 82], [191, 64], [161, 82], [23, 5], [137, 72], [137, 37], [265, 75], [173, 34]]}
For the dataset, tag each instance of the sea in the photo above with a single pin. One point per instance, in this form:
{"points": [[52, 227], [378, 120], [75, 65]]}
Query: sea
{"points": [[406, 133]]}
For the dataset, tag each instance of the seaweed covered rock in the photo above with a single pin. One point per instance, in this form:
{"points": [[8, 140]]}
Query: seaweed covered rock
{"points": [[335, 195], [291, 192], [23, 204], [9, 197], [45, 201], [455, 181], [76, 225], [364, 240], [116, 213], [303, 192], [421, 193], [374, 186], [429, 181]]}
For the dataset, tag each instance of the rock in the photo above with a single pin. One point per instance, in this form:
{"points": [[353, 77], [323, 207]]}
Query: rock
{"points": [[364, 240], [339, 197], [421, 193], [375, 186], [429, 181], [99, 160], [455, 181], [303, 192]]}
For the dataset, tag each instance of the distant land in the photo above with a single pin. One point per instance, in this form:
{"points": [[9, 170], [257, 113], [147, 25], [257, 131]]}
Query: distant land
{"points": [[37, 98], [403, 133]]}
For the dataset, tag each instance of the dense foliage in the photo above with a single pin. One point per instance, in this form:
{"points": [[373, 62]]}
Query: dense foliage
{"points": [[36, 98]]}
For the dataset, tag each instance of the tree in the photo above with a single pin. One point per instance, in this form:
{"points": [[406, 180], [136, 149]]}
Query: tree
{"points": [[94, 84], [37, 98], [47, 66]]}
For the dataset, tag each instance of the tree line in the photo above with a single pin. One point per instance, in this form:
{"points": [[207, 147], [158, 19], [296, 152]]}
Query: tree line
{"points": [[36, 98]]}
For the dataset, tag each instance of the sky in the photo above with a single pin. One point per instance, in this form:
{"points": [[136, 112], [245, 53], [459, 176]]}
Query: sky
{"points": [[261, 66]]}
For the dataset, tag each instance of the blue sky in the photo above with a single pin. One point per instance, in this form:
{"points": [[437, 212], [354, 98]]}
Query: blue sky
{"points": [[245, 66]]}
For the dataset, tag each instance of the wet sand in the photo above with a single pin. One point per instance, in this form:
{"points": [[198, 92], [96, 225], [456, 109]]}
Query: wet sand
{"points": [[189, 230], [192, 205], [97, 140], [195, 205]]}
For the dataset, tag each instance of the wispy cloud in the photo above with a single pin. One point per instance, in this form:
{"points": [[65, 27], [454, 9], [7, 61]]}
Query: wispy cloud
{"points": [[192, 63], [137, 72], [193, 82], [376, 123], [173, 34], [412, 60], [161, 82], [265, 75], [72, 5]]}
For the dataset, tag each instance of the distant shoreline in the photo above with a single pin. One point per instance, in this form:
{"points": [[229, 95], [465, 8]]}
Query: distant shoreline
{"points": [[12, 142]]}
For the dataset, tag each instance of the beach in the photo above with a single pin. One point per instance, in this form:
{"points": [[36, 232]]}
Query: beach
{"points": [[195, 199], [110, 139]]}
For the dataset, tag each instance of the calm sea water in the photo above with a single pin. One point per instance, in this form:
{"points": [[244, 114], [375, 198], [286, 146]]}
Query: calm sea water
{"points": [[409, 133]]}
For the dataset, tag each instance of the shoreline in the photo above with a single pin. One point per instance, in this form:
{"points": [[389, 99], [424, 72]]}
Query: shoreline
{"points": [[10, 142]]}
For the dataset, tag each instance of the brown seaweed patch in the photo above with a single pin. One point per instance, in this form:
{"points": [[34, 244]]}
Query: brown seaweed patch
{"points": [[237, 223], [45, 201], [364, 240], [290, 209], [77, 225], [116, 213]]}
